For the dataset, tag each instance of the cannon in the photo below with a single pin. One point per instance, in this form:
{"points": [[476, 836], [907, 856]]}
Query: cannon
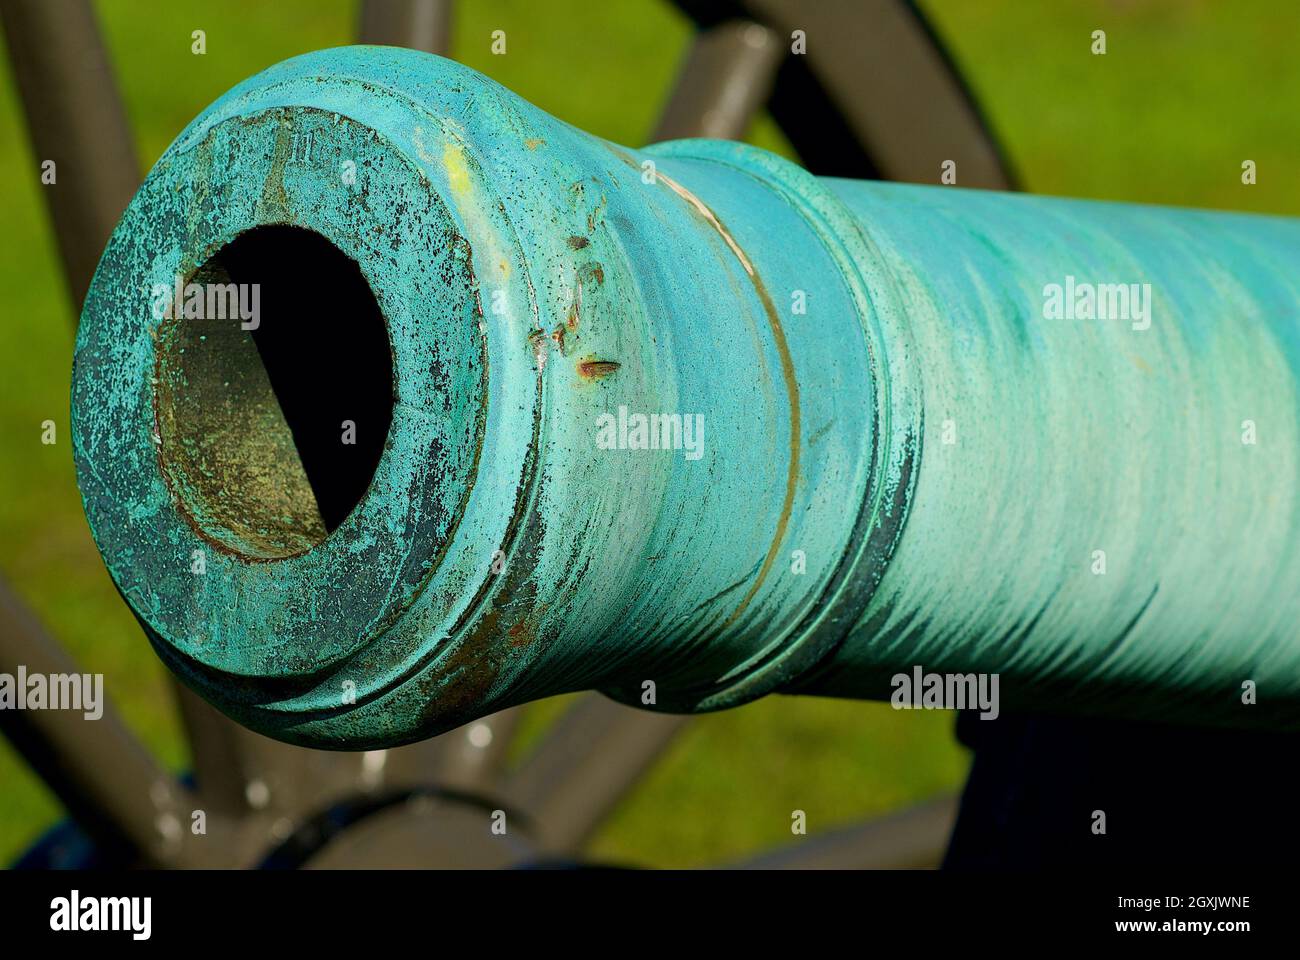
{"points": [[524, 412]]}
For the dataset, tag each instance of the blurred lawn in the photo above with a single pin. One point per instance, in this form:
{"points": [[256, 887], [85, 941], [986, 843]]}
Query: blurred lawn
{"points": [[1188, 89]]}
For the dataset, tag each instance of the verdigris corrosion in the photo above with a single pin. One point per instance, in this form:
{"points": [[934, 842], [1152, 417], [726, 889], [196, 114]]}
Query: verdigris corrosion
{"points": [[942, 429]]}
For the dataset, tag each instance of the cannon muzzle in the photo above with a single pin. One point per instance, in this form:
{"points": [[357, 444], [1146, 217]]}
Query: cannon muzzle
{"points": [[398, 402]]}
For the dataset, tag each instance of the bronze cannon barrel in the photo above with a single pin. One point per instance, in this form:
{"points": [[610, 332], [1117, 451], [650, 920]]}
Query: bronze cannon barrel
{"points": [[398, 402]]}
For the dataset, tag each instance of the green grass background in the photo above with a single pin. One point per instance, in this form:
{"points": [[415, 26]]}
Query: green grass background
{"points": [[1187, 90]]}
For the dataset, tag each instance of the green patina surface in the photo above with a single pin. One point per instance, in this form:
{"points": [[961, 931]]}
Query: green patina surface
{"points": [[915, 469]]}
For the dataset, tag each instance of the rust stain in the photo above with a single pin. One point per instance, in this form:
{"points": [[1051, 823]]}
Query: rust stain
{"points": [[577, 243], [595, 369], [532, 143], [557, 335], [521, 634], [468, 672], [787, 374]]}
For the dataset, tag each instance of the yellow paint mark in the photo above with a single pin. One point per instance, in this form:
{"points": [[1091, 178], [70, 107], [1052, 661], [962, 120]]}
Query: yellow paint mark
{"points": [[453, 159]]}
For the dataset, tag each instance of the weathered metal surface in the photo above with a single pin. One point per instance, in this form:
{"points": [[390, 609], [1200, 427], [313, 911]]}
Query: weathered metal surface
{"points": [[903, 462]]}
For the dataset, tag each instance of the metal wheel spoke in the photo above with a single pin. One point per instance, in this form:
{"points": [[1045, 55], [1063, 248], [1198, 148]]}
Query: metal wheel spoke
{"points": [[105, 777], [76, 119], [469, 758], [214, 755], [890, 82], [418, 24], [723, 83], [424, 832], [593, 755], [238, 771], [913, 839]]}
